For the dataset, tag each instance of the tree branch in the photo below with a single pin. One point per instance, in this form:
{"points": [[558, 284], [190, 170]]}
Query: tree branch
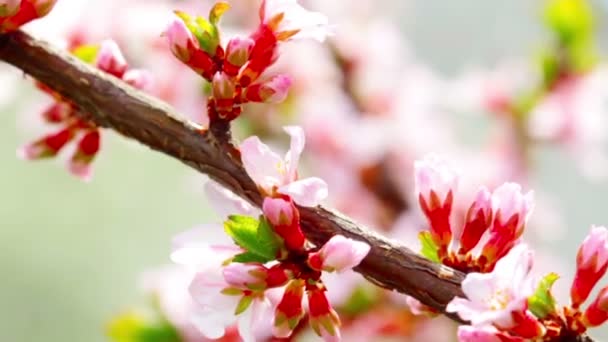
{"points": [[113, 104]]}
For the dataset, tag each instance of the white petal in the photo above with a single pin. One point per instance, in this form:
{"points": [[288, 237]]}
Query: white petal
{"points": [[478, 287], [295, 150], [264, 166], [308, 192], [213, 324]]}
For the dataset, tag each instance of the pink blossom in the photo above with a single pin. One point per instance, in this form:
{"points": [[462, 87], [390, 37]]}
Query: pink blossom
{"points": [[478, 220], [496, 297], [275, 175], [433, 174], [181, 39], [138, 78], [273, 90], [591, 264], [110, 59], [238, 50], [289, 20], [508, 201], [278, 211], [468, 333], [339, 254]]}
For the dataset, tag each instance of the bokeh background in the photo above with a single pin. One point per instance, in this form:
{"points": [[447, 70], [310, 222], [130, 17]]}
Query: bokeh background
{"points": [[71, 253]]}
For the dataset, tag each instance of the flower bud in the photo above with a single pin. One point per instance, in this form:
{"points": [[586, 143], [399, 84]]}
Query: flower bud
{"points": [[237, 54], [48, 146], [138, 78], [80, 163], [274, 90], [436, 183], [289, 312], [323, 318], [285, 219], [339, 254], [477, 221], [591, 264], [181, 40], [597, 313], [110, 59]]}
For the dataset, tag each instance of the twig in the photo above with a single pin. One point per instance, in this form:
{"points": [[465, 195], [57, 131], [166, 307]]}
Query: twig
{"points": [[113, 104]]}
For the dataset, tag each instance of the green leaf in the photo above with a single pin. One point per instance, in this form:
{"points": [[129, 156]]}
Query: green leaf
{"points": [[244, 303], [542, 302], [571, 20], [205, 31], [86, 53], [255, 236], [217, 11], [361, 300], [138, 327], [429, 248]]}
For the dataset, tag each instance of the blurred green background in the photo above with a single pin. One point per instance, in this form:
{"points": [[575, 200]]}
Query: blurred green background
{"points": [[71, 253]]}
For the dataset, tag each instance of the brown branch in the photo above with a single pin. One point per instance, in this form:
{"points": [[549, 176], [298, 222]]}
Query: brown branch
{"points": [[115, 105]]}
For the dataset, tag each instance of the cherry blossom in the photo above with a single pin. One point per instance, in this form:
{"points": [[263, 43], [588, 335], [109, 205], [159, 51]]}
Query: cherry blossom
{"points": [[276, 175], [500, 298]]}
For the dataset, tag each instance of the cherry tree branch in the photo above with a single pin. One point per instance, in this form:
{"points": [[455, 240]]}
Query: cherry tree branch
{"points": [[112, 104]]}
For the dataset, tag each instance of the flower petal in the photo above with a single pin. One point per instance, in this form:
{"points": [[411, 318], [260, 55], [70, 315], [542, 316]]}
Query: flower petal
{"points": [[226, 202], [263, 165], [308, 192], [295, 150]]}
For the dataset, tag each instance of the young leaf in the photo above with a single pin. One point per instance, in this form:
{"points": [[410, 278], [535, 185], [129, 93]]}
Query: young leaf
{"points": [[86, 53], [255, 236], [429, 249], [542, 302]]}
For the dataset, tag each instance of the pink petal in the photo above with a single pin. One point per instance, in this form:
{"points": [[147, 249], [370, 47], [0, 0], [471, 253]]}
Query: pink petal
{"points": [[295, 150], [264, 166], [308, 192], [341, 254]]}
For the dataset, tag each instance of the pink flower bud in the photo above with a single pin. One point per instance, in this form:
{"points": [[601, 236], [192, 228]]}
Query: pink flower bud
{"points": [[12, 18], [181, 40], [237, 53], [138, 78], [80, 163], [289, 312], [511, 211], [48, 146], [223, 87], [339, 254], [511, 206], [57, 112], [597, 313], [110, 59], [274, 90], [477, 221], [9, 7], [591, 264], [435, 186], [323, 318], [285, 220], [278, 211]]}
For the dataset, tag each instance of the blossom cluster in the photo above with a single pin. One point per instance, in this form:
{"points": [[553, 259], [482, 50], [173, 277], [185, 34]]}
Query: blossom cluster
{"points": [[73, 125], [236, 71], [493, 224], [272, 266], [15, 13], [507, 305]]}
